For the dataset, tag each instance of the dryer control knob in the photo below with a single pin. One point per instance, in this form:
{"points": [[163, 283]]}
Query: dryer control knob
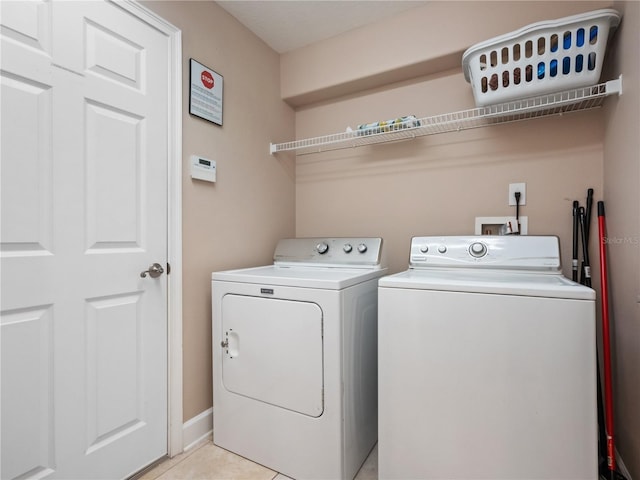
{"points": [[442, 249], [424, 248], [347, 248], [322, 248], [478, 249], [362, 248]]}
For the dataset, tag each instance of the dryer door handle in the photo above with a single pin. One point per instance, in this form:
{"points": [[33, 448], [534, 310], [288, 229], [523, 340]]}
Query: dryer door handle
{"points": [[231, 344]]}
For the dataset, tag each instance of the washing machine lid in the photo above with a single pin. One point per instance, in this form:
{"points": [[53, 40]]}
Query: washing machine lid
{"points": [[490, 282], [327, 278]]}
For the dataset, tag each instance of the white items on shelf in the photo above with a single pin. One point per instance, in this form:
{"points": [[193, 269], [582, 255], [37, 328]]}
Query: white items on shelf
{"points": [[545, 105]]}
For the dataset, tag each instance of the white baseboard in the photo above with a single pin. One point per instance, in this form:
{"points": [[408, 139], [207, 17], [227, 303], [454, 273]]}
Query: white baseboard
{"points": [[197, 428]]}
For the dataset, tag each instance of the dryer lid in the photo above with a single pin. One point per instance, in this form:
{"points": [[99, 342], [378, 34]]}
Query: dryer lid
{"points": [[319, 262], [328, 278]]}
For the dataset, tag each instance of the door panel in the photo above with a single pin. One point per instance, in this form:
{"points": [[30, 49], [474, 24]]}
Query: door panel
{"points": [[27, 400], [113, 222], [28, 24], [114, 378], [26, 187], [84, 211], [274, 351], [114, 57]]}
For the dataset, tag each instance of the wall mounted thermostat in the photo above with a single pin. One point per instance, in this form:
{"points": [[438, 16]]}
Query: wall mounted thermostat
{"points": [[203, 168]]}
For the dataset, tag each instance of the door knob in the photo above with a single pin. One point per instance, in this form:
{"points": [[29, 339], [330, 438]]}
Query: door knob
{"points": [[154, 271]]}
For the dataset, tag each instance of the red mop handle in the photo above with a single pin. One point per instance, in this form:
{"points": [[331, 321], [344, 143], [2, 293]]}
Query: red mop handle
{"points": [[608, 389]]}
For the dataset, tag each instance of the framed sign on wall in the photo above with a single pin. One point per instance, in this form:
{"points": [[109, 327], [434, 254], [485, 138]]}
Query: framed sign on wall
{"points": [[205, 92]]}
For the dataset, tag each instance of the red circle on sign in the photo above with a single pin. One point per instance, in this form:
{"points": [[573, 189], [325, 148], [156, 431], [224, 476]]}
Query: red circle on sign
{"points": [[207, 79]]}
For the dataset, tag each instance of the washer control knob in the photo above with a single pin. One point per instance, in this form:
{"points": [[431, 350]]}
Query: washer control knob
{"points": [[478, 249], [347, 248], [322, 248], [424, 248], [362, 248], [442, 248]]}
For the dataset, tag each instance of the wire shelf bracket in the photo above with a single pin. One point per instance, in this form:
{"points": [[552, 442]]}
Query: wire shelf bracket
{"points": [[574, 100]]}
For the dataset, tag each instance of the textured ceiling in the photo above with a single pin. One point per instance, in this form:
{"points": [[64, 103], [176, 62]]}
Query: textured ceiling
{"points": [[289, 24]]}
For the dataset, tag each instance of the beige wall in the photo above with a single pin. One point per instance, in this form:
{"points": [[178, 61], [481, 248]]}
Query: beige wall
{"points": [[438, 184], [237, 221], [417, 42], [622, 204]]}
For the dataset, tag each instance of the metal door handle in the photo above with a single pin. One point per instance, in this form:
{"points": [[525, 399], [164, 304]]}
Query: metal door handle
{"points": [[154, 271]]}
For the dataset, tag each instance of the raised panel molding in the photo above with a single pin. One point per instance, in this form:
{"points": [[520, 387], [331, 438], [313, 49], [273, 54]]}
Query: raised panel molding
{"points": [[115, 162], [114, 57], [114, 390], [28, 23], [26, 211], [27, 392]]}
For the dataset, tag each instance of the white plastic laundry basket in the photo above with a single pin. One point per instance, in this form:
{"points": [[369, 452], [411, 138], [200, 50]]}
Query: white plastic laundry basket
{"points": [[543, 57]]}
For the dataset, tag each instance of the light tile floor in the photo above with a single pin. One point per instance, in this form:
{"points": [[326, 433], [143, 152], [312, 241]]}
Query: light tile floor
{"points": [[206, 461]]}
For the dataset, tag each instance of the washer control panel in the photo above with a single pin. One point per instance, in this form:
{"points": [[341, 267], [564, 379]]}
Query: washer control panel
{"points": [[334, 251], [508, 252]]}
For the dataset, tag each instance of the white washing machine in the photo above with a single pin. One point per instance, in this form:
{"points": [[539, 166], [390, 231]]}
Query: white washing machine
{"points": [[487, 363], [295, 357]]}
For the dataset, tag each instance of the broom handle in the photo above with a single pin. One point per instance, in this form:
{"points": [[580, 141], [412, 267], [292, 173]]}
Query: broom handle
{"points": [[574, 260], [608, 389]]}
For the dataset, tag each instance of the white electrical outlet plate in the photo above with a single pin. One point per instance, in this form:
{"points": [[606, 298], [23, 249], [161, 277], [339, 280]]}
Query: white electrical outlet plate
{"points": [[491, 225], [517, 187]]}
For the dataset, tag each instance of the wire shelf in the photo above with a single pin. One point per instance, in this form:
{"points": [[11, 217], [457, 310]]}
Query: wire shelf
{"points": [[545, 105]]}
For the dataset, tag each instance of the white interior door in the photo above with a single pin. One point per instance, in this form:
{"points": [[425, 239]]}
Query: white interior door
{"points": [[84, 211]]}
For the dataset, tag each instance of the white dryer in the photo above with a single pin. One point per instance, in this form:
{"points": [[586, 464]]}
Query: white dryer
{"points": [[295, 357], [487, 364]]}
